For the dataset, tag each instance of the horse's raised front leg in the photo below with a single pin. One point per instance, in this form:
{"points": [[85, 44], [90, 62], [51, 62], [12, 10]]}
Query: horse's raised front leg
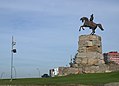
{"points": [[81, 27]]}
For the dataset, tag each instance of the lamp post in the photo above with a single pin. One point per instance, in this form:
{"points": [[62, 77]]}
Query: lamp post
{"points": [[13, 50], [15, 72], [38, 72], [2, 74]]}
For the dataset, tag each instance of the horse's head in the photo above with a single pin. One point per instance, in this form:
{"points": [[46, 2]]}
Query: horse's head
{"points": [[84, 18]]}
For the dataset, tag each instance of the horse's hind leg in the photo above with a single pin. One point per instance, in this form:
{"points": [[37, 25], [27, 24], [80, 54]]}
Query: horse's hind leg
{"points": [[93, 31]]}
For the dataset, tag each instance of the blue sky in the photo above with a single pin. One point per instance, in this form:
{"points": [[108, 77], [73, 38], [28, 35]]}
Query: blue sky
{"points": [[46, 32]]}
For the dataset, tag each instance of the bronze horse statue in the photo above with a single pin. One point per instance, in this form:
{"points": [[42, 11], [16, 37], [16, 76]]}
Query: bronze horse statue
{"points": [[90, 24]]}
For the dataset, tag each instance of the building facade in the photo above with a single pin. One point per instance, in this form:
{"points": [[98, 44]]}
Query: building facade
{"points": [[112, 56], [54, 72]]}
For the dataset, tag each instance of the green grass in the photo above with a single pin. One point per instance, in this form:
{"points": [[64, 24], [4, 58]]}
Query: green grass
{"points": [[91, 79]]}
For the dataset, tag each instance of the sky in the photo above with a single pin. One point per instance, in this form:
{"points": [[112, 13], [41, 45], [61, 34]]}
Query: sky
{"points": [[46, 32]]}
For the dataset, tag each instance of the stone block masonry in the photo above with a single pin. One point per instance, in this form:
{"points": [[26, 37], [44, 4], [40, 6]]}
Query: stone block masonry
{"points": [[89, 43], [89, 51], [89, 58]]}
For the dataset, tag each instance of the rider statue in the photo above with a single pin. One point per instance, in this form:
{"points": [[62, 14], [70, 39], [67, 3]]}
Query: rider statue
{"points": [[89, 23]]}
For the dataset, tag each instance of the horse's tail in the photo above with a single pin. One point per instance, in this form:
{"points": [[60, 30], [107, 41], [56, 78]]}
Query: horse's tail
{"points": [[100, 26]]}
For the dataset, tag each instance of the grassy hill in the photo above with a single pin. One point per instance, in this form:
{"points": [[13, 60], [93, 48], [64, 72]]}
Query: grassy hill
{"points": [[90, 79]]}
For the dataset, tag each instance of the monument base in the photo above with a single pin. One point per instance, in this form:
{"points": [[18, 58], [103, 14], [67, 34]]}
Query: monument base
{"points": [[89, 51], [103, 68], [89, 58]]}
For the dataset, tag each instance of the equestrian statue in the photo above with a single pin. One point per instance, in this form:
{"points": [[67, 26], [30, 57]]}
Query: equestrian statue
{"points": [[89, 23]]}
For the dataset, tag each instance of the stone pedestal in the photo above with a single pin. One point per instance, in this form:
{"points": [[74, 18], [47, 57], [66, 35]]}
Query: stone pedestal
{"points": [[89, 54], [89, 51], [89, 43], [89, 58]]}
